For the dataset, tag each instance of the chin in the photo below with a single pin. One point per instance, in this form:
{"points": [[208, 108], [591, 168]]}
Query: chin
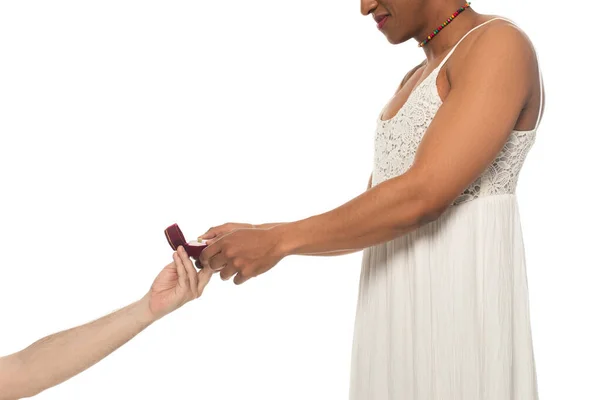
{"points": [[397, 39], [396, 36]]}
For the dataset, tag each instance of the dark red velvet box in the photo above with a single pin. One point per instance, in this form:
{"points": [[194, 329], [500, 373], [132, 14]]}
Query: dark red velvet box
{"points": [[176, 239]]}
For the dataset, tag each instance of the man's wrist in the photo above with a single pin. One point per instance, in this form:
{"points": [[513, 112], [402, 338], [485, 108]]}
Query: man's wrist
{"points": [[289, 239]]}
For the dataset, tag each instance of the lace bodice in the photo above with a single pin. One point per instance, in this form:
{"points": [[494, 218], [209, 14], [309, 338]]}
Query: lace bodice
{"points": [[397, 139]]}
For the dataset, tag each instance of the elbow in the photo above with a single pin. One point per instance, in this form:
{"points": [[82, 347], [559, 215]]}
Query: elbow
{"points": [[430, 211], [421, 210], [419, 202], [430, 204]]}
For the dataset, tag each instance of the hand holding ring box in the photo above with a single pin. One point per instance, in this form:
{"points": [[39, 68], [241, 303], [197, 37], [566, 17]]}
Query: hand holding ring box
{"points": [[176, 239]]}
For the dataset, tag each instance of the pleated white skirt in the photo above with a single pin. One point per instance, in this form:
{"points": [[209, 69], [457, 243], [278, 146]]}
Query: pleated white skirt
{"points": [[443, 312]]}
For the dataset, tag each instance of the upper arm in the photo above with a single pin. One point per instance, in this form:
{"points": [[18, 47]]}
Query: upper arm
{"points": [[478, 114]]}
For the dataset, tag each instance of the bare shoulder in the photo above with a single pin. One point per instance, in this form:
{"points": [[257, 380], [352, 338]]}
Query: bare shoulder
{"points": [[500, 43], [499, 56], [507, 38]]}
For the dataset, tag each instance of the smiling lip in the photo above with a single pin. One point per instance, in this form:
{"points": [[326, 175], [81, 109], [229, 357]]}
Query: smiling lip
{"points": [[380, 20]]}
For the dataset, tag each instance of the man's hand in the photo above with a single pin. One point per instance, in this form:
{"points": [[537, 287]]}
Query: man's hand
{"points": [[175, 285], [245, 252], [216, 232]]}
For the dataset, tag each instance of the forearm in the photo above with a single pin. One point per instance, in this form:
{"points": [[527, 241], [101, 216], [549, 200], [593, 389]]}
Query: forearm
{"points": [[322, 254], [60, 356], [388, 210]]}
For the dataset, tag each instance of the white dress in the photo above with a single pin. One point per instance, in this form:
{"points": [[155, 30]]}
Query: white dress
{"points": [[443, 312]]}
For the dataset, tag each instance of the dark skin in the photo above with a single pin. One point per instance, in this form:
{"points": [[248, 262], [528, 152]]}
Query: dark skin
{"points": [[465, 136]]}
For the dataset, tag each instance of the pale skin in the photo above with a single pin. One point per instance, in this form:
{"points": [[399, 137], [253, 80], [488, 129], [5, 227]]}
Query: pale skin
{"points": [[58, 357], [489, 87]]}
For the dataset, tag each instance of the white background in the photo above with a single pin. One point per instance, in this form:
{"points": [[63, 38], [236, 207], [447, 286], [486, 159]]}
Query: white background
{"points": [[119, 118]]}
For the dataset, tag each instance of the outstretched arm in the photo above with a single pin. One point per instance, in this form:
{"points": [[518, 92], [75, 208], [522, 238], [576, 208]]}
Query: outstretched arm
{"points": [[490, 89], [60, 356]]}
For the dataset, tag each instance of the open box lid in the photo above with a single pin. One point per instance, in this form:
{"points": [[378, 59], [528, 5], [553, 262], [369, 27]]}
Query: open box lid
{"points": [[175, 237]]}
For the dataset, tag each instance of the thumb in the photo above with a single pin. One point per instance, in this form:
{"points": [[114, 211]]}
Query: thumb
{"points": [[211, 241]]}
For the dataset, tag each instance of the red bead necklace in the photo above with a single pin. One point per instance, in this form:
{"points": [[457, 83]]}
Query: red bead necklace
{"points": [[444, 24]]}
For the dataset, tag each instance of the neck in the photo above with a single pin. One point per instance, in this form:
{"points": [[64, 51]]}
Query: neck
{"points": [[451, 33]]}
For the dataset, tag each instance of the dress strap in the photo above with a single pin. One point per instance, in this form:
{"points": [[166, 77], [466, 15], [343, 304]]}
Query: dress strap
{"points": [[467, 34]]}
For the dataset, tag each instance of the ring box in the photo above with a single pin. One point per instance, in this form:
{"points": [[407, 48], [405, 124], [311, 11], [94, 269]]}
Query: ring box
{"points": [[176, 239]]}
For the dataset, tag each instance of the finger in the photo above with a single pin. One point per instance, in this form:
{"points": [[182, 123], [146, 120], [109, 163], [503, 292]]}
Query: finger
{"points": [[218, 262], [207, 235], [199, 265], [181, 274], [218, 236], [240, 278], [211, 233], [190, 270], [228, 272], [203, 278], [208, 253]]}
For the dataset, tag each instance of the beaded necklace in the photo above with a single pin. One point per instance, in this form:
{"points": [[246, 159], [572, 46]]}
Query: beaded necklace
{"points": [[444, 24]]}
